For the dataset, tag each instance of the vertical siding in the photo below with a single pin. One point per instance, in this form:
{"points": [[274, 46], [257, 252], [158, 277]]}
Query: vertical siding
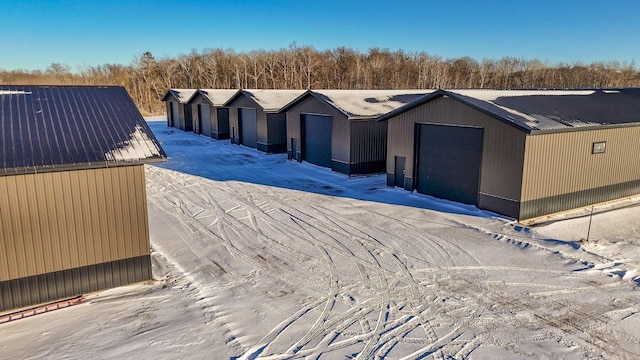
{"points": [[368, 146], [64, 220], [48, 287], [277, 132], [220, 127], [502, 155], [561, 173]]}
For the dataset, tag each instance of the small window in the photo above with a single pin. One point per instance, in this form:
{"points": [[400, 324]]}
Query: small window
{"points": [[599, 147]]}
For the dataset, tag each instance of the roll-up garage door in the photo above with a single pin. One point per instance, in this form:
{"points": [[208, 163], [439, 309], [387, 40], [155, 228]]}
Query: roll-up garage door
{"points": [[317, 139], [204, 118], [175, 114], [248, 127], [449, 162]]}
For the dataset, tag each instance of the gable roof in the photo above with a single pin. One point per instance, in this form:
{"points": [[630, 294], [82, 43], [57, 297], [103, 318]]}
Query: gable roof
{"points": [[269, 100], [217, 97], [52, 128], [364, 104], [536, 111], [182, 95]]}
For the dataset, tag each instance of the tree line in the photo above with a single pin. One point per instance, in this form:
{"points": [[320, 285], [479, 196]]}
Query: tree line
{"points": [[303, 67]]}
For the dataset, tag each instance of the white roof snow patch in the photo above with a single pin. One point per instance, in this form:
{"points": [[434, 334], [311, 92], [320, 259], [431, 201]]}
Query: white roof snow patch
{"points": [[217, 97], [369, 103], [183, 95], [272, 100]]}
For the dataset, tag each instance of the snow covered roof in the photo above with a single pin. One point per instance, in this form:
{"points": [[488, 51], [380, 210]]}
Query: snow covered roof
{"points": [[269, 100], [360, 104], [549, 110], [182, 95], [217, 97], [51, 128]]}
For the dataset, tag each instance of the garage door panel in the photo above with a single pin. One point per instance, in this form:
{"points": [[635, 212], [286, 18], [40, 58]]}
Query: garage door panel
{"points": [[449, 161], [204, 113], [317, 139], [248, 127], [175, 114]]}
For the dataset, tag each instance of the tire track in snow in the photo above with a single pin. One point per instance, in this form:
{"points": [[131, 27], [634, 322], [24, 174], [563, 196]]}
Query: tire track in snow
{"points": [[268, 221]]}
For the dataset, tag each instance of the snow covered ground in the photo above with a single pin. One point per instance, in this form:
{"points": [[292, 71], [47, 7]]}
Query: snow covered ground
{"points": [[256, 257]]}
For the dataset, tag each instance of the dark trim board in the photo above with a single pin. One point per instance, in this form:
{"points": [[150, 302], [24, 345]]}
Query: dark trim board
{"points": [[554, 204], [220, 135], [508, 207], [49, 287], [272, 148]]}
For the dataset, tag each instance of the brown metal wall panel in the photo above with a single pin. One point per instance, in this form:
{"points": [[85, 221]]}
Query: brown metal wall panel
{"points": [[553, 204], [561, 173], [63, 220], [5, 229], [503, 149], [563, 163], [62, 284]]}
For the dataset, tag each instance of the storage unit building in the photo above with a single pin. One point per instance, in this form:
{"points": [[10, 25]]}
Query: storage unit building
{"points": [[521, 153], [73, 211], [179, 114], [337, 129], [210, 117], [256, 118]]}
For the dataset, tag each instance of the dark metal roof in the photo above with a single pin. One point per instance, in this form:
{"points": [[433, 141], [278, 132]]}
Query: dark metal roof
{"points": [[52, 128], [537, 111]]}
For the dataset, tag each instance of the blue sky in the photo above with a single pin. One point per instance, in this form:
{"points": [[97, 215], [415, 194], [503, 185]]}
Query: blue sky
{"points": [[81, 33]]}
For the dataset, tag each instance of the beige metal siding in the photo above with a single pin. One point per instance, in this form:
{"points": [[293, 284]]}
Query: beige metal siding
{"points": [[64, 220], [502, 154], [562, 163], [561, 173]]}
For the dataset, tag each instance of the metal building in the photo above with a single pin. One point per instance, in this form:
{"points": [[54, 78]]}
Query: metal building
{"points": [[179, 114], [209, 115], [337, 129], [256, 118], [521, 153], [73, 211]]}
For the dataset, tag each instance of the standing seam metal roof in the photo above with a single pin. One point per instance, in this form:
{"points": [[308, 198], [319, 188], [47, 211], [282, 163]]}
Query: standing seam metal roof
{"points": [[548, 110], [51, 128]]}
